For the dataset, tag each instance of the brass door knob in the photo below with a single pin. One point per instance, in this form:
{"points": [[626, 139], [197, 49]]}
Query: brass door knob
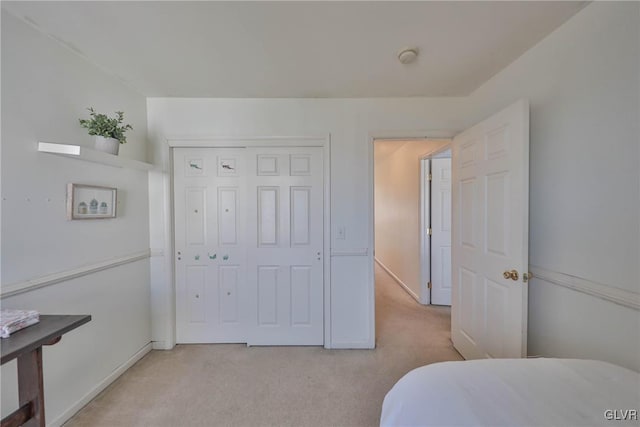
{"points": [[513, 275]]}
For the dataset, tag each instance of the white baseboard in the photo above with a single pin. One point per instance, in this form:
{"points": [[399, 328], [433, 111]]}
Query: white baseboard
{"points": [[66, 415], [366, 345], [397, 279]]}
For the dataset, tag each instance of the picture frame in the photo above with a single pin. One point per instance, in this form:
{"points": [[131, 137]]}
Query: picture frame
{"points": [[91, 201]]}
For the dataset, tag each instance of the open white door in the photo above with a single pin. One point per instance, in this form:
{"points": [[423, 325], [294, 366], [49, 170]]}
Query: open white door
{"points": [[441, 231], [490, 172]]}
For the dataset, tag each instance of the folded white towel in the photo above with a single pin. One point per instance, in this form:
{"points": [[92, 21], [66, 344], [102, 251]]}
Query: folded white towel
{"points": [[14, 320]]}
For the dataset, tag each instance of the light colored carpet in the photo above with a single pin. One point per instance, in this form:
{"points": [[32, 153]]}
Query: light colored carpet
{"points": [[233, 385]]}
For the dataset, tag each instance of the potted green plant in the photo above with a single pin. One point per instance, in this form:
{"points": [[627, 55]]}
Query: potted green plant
{"points": [[109, 131]]}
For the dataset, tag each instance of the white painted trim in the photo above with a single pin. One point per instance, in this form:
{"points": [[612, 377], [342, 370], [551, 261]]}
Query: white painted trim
{"points": [[64, 276], [371, 240], [350, 252], [249, 141], [425, 239], [397, 279], [73, 409], [170, 259], [326, 161], [320, 137], [365, 345], [595, 289], [412, 134]]}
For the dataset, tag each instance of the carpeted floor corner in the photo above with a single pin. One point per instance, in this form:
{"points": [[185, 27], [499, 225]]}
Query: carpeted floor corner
{"points": [[235, 385]]}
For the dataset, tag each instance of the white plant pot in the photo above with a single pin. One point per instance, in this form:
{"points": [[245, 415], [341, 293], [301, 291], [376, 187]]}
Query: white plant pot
{"points": [[107, 145]]}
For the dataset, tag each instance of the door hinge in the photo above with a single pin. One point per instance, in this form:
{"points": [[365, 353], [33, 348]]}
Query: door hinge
{"points": [[430, 176], [429, 284], [429, 231]]}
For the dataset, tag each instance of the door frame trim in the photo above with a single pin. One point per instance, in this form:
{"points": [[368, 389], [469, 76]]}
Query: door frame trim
{"points": [[248, 141], [322, 141], [425, 221]]}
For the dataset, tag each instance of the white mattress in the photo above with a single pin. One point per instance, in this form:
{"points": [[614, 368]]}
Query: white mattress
{"points": [[514, 392]]}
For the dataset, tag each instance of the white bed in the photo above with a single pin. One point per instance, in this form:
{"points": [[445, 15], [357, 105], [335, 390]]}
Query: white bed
{"points": [[514, 392]]}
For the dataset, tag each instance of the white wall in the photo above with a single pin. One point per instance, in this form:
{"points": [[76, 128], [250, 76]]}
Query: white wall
{"points": [[583, 82], [351, 122], [45, 89], [397, 209]]}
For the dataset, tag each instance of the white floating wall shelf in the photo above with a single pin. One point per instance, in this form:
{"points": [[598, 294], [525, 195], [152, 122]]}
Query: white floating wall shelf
{"points": [[84, 153]]}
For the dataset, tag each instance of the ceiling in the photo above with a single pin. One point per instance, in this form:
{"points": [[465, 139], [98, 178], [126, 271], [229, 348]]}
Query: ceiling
{"points": [[297, 49]]}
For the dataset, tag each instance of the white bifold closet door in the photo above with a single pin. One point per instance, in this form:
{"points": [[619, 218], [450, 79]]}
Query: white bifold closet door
{"points": [[285, 229], [210, 240], [249, 245]]}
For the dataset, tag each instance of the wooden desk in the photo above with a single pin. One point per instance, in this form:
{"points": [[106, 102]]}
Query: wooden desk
{"points": [[26, 346]]}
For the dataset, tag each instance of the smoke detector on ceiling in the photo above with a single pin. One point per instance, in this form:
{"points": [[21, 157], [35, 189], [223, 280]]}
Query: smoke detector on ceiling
{"points": [[408, 55]]}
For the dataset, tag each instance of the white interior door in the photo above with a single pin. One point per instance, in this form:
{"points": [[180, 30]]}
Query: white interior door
{"points": [[441, 231], [425, 224], [490, 171], [285, 240], [210, 258]]}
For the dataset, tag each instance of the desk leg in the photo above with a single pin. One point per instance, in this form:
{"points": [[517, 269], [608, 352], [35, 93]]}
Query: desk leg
{"points": [[31, 386]]}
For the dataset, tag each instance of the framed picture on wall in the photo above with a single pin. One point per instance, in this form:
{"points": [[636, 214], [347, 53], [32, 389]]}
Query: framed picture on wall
{"points": [[91, 202]]}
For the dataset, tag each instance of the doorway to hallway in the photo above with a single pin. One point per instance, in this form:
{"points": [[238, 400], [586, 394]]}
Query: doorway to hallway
{"points": [[412, 211]]}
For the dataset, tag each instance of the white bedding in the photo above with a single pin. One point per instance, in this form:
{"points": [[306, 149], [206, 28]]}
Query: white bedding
{"points": [[514, 392]]}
